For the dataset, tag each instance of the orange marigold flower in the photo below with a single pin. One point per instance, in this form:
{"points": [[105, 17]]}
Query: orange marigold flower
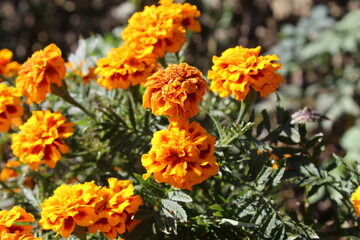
{"points": [[43, 68], [181, 156], [116, 214], [240, 68], [175, 91], [16, 220], [17, 236], [87, 74], [125, 66], [40, 139], [163, 31], [355, 198], [8, 171], [10, 106], [69, 206], [8, 68]]}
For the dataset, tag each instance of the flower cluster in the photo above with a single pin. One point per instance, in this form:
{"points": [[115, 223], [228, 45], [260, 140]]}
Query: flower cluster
{"points": [[163, 31], [14, 224], [145, 42], [181, 156], [175, 91], [8, 68], [239, 69], [108, 209], [43, 68], [40, 139], [10, 107]]}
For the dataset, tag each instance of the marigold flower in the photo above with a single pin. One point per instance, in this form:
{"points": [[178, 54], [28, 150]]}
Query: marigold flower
{"points": [[69, 206], [8, 68], [163, 31], [181, 156], [175, 91], [238, 69], [43, 68], [125, 66], [355, 198], [40, 139], [10, 106], [87, 75], [8, 171], [17, 236], [15, 221], [115, 215]]}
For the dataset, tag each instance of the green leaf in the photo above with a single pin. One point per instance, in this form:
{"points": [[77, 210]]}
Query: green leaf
{"points": [[175, 209], [179, 196]]}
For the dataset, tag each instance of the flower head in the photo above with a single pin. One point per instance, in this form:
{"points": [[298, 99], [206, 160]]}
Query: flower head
{"points": [[40, 139], [8, 68], [175, 91], [86, 74], [181, 156], [69, 206], [125, 66], [163, 31], [8, 171], [10, 106], [115, 215], [43, 68], [15, 221], [239, 69], [355, 198]]}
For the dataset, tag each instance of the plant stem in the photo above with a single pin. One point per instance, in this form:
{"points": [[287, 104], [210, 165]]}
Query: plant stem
{"points": [[65, 95], [246, 104]]}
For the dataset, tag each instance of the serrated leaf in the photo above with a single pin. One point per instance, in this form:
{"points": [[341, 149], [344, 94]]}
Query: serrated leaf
{"points": [[264, 175], [179, 196], [175, 209], [271, 224], [278, 177]]}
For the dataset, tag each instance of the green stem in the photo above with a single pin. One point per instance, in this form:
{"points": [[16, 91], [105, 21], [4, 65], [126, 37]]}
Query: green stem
{"points": [[64, 94], [246, 104]]}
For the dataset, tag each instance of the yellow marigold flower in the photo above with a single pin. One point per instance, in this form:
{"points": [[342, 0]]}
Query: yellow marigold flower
{"points": [[8, 171], [115, 215], [8, 68], [355, 198], [163, 31], [125, 66], [69, 206], [10, 106], [43, 68], [238, 69], [40, 139], [16, 220], [175, 91], [17, 236], [181, 156]]}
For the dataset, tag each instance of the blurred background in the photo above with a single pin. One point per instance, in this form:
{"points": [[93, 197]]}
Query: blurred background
{"points": [[316, 40]]}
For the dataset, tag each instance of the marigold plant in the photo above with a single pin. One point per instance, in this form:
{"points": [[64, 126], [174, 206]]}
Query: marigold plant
{"points": [[10, 107], [16, 223], [40, 139], [115, 215], [125, 66], [43, 68], [87, 75], [182, 155], [8, 68], [239, 69], [175, 91], [70, 206], [163, 31]]}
